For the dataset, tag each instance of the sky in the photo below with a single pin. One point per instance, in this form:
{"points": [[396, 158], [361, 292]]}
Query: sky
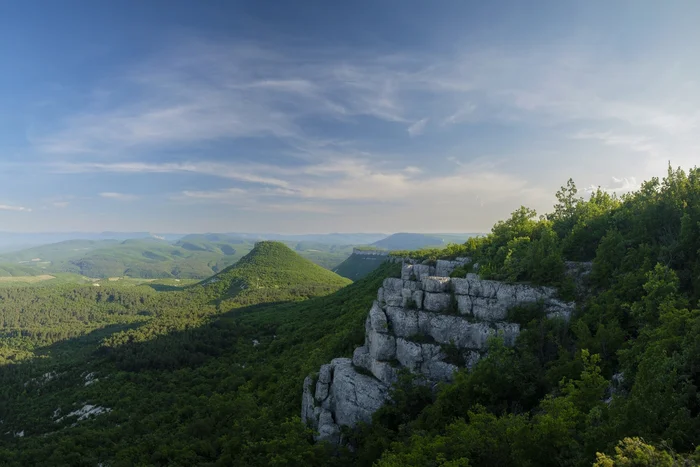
{"points": [[320, 116]]}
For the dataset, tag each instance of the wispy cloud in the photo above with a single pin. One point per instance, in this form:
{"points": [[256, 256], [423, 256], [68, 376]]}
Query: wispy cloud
{"points": [[203, 168], [203, 91], [225, 194], [417, 128], [7, 207], [201, 108], [119, 196]]}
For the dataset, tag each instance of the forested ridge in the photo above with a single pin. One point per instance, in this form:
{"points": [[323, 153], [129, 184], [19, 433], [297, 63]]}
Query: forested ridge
{"points": [[194, 377]]}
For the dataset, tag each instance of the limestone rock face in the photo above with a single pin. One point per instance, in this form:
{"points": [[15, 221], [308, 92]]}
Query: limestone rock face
{"points": [[424, 322], [352, 398], [436, 302]]}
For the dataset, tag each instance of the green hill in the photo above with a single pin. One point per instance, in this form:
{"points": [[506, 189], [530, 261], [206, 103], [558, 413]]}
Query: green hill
{"points": [[135, 376], [219, 393], [272, 272], [358, 266], [192, 257]]}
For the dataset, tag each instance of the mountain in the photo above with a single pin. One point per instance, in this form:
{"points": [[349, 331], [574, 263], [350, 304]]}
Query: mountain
{"points": [[272, 272], [359, 264], [143, 258], [330, 239], [409, 241], [192, 257], [13, 241], [140, 375]]}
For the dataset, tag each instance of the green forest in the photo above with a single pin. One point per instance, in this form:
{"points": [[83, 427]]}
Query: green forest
{"points": [[211, 374]]}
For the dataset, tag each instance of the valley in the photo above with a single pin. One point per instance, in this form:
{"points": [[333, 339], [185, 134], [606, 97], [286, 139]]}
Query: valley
{"points": [[576, 329]]}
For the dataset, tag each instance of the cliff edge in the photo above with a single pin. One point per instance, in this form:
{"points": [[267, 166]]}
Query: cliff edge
{"points": [[426, 322]]}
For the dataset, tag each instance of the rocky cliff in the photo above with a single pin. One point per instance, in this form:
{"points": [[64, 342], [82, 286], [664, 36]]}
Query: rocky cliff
{"points": [[426, 322]]}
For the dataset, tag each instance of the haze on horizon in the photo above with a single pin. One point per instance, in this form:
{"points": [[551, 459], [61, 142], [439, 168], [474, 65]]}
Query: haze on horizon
{"points": [[361, 116]]}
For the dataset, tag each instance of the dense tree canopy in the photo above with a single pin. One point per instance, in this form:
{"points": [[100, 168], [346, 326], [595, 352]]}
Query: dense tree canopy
{"points": [[193, 377]]}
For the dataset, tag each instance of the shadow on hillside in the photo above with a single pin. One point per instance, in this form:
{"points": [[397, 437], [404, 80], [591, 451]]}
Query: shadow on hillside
{"points": [[84, 342]]}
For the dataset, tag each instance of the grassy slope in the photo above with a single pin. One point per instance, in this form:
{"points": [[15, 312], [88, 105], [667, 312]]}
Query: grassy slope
{"points": [[190, 397], [272, 272]]}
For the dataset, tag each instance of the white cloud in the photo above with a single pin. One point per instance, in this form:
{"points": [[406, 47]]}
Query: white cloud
{"points": [[203, 168], [460, 115], [202, 91], [565, 95], [60, 204], [417, 128], [617, 185], [119, 196], [225, 194], [7, 207]]}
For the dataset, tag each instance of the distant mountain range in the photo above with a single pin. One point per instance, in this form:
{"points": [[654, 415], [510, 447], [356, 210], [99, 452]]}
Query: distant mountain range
{"points": [[195, 256], [414, 241], [10, 241]]}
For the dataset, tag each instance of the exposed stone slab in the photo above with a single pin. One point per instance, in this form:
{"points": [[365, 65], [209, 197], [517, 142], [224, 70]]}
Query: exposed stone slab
{"points": [[377, 319], [392, 291], [356, 396], [404, 323], [436, 284], [422, 270], [325, 374], [408, 327], [412, 299], [436, 302], [361, 358], [308, 404], [381, 346], [409, 354]]}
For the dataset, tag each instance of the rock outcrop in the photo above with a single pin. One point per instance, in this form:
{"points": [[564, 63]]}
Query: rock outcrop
{"points": [[426, 322]]}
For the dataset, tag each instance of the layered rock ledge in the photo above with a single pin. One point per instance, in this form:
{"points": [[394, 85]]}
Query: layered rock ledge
{"points": [[426, 322]]}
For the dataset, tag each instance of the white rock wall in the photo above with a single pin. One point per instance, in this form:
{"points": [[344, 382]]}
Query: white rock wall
{"points": [[411, 325]]}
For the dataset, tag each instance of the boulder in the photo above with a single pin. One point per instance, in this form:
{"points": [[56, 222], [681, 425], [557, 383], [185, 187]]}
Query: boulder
{"points": [[437, 370], [461, 285], [421, 270], [377, 319], [356, 396], [488, 309], [436, 284], [404, 323], [328, 430], [409, 354], [392, 291], [361, 358], [464, 304], [321, 391], [308, 404], [437, 302], [407, 272], [384, 372], [412, 299], [380, 295], [381, 346], [444, 268], [325, 374]]}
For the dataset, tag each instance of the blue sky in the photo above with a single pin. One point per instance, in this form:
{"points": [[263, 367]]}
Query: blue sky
{"points": [[319, 116]]}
